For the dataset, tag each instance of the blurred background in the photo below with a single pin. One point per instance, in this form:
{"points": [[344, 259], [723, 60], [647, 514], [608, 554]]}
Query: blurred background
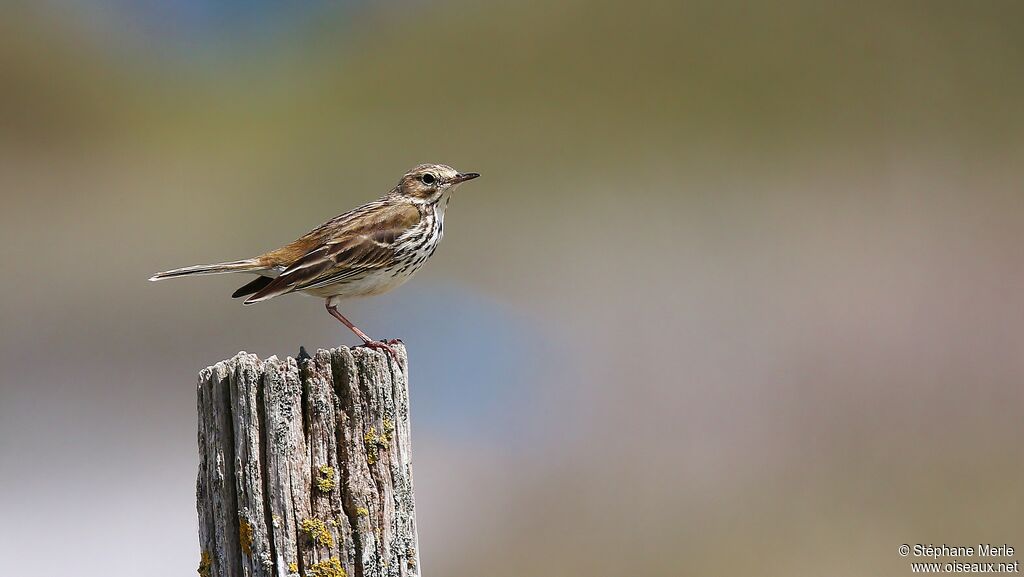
{"points": [[740, 290]]}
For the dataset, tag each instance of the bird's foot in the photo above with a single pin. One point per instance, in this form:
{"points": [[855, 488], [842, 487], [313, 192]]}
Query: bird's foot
{"points": [[378, 345]]}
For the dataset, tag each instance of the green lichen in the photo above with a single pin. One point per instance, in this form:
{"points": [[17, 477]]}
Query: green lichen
{"points": [[329, 568], [326, 482], [205, 564], [362, 511], [316, 531], [245, 536]]}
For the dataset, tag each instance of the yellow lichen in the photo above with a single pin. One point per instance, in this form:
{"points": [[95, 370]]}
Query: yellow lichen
{"points": [[316, 531], [245, 536], [205, 564], [373, 443], [293, 567], [362, 511], [329, 568], [326, 482], [389, 429]]}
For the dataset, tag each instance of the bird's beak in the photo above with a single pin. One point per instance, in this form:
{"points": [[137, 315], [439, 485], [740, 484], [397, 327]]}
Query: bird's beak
{"points": [[463, 177]]}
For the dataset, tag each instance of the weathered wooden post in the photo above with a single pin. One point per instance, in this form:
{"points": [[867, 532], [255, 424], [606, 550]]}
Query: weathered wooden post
{"points": [[305, 467]]}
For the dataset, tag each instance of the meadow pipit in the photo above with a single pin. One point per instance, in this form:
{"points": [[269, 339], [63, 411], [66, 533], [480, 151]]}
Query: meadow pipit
{"points": [[366, 251]]}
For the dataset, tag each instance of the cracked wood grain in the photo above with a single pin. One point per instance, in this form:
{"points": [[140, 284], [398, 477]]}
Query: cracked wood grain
{"points": [[305, 467]]}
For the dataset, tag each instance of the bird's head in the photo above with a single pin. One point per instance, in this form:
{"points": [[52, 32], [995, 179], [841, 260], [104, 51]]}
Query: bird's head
{"points": [[427, 183]]}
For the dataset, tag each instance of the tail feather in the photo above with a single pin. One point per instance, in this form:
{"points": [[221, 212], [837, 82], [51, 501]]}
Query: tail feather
{"points": [[254, 286], [247, 265]]}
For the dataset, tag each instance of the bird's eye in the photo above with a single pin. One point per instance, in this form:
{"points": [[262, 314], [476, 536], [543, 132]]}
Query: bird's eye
{"points": [[428, 179]]}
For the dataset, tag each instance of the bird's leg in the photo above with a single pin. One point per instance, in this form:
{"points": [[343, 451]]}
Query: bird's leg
{"points": [[337, 314], [367, 341]]}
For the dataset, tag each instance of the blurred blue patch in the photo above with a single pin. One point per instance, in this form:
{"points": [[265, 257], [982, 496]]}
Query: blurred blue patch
{"points": [[475, 364], [192, 28]]}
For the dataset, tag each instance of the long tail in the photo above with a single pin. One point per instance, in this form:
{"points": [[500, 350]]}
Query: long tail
{"points": [[251, 264]]}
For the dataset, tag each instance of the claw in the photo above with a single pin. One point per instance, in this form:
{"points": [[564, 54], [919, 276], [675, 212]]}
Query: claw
{"points": [[375, 345]]}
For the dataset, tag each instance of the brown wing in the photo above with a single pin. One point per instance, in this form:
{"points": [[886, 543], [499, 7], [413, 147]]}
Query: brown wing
{"points": [[345, 247]]}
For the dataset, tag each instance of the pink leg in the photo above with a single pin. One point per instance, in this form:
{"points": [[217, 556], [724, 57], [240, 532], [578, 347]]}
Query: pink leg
{"points": [[367, 341]]}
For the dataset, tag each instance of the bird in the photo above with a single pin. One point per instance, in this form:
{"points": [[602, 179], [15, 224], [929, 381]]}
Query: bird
{"points": [[366, 251]]}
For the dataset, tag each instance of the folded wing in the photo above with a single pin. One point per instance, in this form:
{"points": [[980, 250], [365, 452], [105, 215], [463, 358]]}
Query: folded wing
{"points": [[349, 248]]}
